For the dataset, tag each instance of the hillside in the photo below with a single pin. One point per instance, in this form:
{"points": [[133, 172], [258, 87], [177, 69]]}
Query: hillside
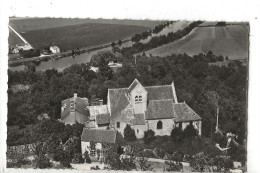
{"points": [[29, 24], [230, 40], [79, 36]]}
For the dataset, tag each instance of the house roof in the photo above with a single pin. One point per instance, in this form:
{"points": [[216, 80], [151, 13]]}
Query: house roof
{"points": [[99, 136], [184, 113], [80, 106], [159, 109], [103, 118]]}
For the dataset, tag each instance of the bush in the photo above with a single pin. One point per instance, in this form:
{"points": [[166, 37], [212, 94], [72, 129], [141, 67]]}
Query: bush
{"points": [[43, 162], [190, 132], [77, 158], [146, 153], [87, 158], [22, 161], [129, 133], [177, 134], [148, 137], [159, 153]]}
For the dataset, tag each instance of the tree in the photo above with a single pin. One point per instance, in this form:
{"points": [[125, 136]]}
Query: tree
{"points": [[143, 163], [201, 162], [129, 133], [104, 70], [148, 136], [173, 163], [177, 134], [43, 162], [190, 132], [113, 44], [119, 42], [86, 157]]}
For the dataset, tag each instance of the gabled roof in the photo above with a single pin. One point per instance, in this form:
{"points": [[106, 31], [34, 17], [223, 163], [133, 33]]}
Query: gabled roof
{"points": [[103, 119], [119, 101], [80, 106], [184, 113], [99, 136], [159, 109], [133, 85]]}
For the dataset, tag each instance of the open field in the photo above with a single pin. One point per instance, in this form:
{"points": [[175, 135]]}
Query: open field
{"points": [[13, 39], [230, 40], [79, 36], [29, 24]]}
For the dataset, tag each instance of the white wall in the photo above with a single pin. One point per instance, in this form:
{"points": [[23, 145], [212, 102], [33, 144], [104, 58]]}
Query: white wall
{"points": [[141, 129], [166, 129], [139, 107]]}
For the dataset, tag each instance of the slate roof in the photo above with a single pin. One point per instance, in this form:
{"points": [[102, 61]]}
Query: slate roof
{"points": [[133, 85], [184, 113], [139, 119], [118, 97], [99, 136], [80, 105], [159, 109], [103, 118]]}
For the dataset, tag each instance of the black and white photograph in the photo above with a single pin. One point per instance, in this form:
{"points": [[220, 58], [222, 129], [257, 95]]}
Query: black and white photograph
{"points": [[98, 94]]}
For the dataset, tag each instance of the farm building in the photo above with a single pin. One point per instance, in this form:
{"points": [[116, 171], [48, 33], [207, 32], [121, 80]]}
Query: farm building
{"points": [[55, 49], [96, 142], [143, 108]]}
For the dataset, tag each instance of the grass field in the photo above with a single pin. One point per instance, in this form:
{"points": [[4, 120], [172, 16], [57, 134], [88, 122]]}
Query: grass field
{"points": [[230, 40], [13, 39], [79, 36], [29, 24]]}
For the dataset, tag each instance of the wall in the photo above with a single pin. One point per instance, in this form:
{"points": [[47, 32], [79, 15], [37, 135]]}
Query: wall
{"points": [[85, 146], [139, 107], [196, 125], [141, 129], [166, 129]]}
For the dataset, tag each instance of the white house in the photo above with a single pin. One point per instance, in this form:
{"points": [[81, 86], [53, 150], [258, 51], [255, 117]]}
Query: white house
{"points": [[55, 49]]}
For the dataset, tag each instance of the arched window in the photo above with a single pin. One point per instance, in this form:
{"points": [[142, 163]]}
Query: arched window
{"points": [[159, 125], [138, 99], [118, 125]]}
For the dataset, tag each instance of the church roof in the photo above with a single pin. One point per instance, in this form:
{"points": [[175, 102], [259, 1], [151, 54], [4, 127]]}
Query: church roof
{"points": [[99, 136], [184, 113], [119, 101], [159, 109], [166, 109]]}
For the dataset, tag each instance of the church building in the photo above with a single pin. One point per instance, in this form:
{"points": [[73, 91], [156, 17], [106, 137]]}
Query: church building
{"points": [[143, 108]]}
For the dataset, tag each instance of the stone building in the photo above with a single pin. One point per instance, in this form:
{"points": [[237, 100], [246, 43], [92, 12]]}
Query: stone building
{"points": [[143, 108]]}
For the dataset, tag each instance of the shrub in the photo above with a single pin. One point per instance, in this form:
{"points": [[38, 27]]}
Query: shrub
{"points": [[159, 153], [177, 134], [148, 137], [95, 168], [147, 154], [77, 158], [87, 158], [129, 133], [22, 161], [190, 132], [43, 162], [173, 164]]}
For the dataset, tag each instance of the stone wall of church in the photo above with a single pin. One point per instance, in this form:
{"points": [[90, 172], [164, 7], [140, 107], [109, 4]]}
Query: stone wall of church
{"points": [[167, 126], [139, 130]]}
